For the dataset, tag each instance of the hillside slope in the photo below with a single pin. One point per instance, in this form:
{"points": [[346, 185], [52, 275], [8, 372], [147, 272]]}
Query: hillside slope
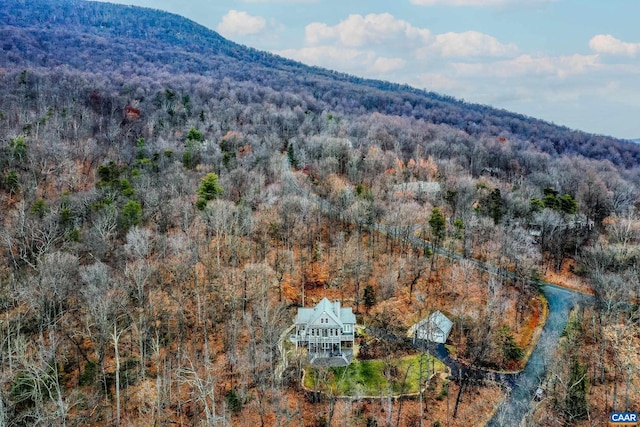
{"points": [[133, 41], [170, 198]]}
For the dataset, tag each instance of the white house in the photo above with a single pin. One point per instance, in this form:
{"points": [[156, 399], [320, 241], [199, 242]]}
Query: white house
{"points": [[327, 332], [435, 328]]}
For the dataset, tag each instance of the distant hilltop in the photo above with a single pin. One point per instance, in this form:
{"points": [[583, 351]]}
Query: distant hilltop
{"points": [[125, 42]]}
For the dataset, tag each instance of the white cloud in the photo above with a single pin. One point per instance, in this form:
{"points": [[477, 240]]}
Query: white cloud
{"points": [[607, 44], [381, 46], [330, 56], [477, 3], [358, 30], [316, 32], [435, 81], [350, 60], [237, 23], [561, 67], [384, 65], [385, 31], [471, 43]]}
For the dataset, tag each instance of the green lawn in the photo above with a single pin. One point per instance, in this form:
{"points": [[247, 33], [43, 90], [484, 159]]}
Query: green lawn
{"points": [[370, 378]]}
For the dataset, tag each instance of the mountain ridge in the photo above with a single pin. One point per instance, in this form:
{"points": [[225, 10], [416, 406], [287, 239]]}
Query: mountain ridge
{"points": [[170, 199], [106, 38]]}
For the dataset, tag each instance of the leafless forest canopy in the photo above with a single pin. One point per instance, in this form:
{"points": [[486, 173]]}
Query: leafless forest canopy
{"points": [[168, 197]]}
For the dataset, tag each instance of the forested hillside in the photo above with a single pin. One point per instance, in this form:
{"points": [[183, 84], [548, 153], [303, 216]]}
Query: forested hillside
{"points": [[123, 41], [170, 198]]}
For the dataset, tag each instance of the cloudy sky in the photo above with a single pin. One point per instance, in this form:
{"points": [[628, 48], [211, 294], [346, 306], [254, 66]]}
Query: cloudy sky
{"points": [[572, 62]]}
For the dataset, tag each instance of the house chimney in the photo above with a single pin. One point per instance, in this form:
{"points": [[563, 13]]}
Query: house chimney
{"points": [[336, 308]]}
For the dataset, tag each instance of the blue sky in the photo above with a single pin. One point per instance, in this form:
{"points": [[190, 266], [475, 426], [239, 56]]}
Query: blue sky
{"points": [[572, 62]]}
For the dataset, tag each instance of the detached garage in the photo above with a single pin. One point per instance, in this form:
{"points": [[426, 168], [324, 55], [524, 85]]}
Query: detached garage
{"points": [[434, 328]]}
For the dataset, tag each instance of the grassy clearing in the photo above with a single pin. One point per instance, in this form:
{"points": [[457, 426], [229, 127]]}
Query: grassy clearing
{"points": [[373, 377], [452, 349]]}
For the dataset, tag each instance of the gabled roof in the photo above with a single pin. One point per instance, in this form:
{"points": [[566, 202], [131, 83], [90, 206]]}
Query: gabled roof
{"points": [[436, 322], [441, 322], [347, 316], [325, 307], [310, 315]]}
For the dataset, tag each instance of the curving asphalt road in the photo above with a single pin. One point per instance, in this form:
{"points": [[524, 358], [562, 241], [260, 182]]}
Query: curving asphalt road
{"points": [[561, 301], [522, 385]]}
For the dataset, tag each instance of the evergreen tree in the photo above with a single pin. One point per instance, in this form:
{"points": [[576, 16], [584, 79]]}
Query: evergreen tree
{"points": [[496, 206], [209, 189], [438, 225], [576, 400], [131, 214], [369, 297]]}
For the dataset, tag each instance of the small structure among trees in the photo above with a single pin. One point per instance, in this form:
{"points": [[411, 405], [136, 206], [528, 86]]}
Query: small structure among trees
{"points": [[327, 332], [435, 328]]}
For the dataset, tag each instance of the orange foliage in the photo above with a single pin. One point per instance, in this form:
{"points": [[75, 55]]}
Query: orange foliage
{"points": [[289, 291], [423, 169], [567, 279], [131, 113], [232, 135], [316, 275], [532, 322], [244, 150]]}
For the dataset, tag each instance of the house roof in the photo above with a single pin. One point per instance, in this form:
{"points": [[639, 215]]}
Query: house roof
{"points": [[435, 322], [333, 310], [325, 307]]}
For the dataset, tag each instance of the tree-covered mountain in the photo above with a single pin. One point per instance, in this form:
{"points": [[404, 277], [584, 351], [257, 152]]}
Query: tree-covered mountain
{"points": [[132, 41], [169, 199]]}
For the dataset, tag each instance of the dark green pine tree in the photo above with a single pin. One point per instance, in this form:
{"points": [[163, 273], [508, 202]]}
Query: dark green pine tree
{"points": [[209, 189], [369, 297], [438, 225], [496, 206], [576, 400]]}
